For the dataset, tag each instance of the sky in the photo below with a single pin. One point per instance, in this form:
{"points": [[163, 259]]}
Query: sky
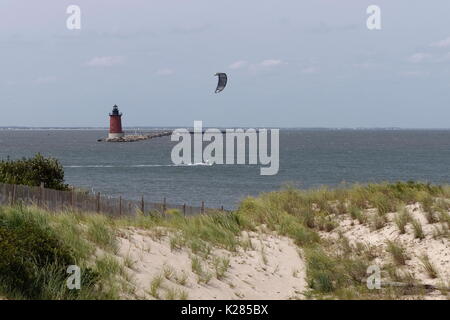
{"points": [[290, 63]]}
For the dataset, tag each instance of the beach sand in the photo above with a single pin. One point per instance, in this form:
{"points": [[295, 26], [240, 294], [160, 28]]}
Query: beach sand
{"points": [[271, 269], [436, 248]]}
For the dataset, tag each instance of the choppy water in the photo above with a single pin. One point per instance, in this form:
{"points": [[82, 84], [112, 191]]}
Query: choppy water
{"points": [[308, 158]]}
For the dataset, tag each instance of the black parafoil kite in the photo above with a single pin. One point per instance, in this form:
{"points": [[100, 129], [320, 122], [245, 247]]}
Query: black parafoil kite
{"points": [[222, 81]]}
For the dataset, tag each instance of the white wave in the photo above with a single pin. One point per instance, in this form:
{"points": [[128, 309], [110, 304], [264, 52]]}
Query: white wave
{"points": [[140, 165]]}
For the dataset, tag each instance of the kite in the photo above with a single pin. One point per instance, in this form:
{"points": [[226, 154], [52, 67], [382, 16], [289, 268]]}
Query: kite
{"points": [[222, 81]]}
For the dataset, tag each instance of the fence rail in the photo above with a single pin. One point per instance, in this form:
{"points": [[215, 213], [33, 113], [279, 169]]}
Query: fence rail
{"points": [[56, 200]]}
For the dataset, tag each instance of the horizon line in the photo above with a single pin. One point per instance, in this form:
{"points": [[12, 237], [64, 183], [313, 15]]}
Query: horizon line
{"points": [[231, 127]]}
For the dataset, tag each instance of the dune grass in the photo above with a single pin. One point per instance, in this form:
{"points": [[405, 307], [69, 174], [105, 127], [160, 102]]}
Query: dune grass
{"points": [[36, 249], [333, 270], [398, 253], [418, 230], [401, 220], [155, 285], [429, 267]]}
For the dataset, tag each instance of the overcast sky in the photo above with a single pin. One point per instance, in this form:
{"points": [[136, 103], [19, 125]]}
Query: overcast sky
{"points": [[291, 63]]}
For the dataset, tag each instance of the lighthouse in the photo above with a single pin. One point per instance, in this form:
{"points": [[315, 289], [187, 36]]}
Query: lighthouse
{"points": [[115, 124]]}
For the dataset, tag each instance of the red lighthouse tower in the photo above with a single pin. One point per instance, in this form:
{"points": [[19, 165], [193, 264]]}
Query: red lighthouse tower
{"points": [[115, 124]]}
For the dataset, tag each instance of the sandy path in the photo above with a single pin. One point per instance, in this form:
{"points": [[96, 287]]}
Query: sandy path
{"points": [[271, 269]]}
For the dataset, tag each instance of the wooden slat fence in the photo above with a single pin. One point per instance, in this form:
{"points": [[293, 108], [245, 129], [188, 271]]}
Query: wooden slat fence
{"points": [[56, 200]]}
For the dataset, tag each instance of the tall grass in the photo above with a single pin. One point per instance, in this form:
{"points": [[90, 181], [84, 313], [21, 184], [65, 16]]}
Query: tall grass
{"points": [[101, 233], [417, 227], [402, 219], [155, 285], [221, 265], [427, 205], [332, 269], [358, 214], [398, 253], [428, 266], [34, 258]]}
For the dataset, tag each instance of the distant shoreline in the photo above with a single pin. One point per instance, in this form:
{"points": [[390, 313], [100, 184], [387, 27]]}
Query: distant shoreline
{"points": [[18, 128]]}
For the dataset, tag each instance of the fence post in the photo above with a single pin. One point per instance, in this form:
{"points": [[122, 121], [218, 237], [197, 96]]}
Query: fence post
{"points": [[98, 202], [120, 205], [41, 194], [72, 199], [142, 204], [14, 195], [164, 205], [184, 209], [203, 207]]}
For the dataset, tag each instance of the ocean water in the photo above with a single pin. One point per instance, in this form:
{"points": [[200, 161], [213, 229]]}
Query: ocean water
{"points": [[308, 158]]}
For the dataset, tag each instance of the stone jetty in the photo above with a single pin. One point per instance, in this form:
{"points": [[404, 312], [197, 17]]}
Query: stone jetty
{"points": [[137, 137]]}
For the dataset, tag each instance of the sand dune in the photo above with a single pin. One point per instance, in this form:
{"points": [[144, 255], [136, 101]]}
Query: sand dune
{"points": [[271, 269], [271, 266], [436, 248]]}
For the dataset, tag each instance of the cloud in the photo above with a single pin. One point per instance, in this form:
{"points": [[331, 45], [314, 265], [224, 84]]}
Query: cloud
{"points": [[444, 58], [414, 74], [325, 28], [442, 44], [365, 65], [106, 61], [165, 72], [310, 70], [270, 63], [190, 29], [266, 65], [419, 57], [45, 80], [238, 65]]}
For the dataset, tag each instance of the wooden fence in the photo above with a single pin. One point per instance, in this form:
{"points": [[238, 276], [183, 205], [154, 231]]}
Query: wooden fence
{"points": [[56, 200]]}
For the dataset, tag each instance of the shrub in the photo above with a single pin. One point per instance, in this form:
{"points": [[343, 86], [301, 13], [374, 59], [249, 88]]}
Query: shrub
{"points": [[34, 260], [321, 271], [24, 251], [33, 172]]}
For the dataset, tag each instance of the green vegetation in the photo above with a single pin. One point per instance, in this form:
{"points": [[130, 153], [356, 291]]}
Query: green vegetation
{"points": [[429, 266], [36, 246], [221, 265], [402, 219], [34, 260], [33, 172], [418, 231], [156, 285], [398, 253]]}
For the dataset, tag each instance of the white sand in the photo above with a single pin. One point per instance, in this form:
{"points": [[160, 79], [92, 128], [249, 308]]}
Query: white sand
{"points": [[272, 269], [438, 250]]}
